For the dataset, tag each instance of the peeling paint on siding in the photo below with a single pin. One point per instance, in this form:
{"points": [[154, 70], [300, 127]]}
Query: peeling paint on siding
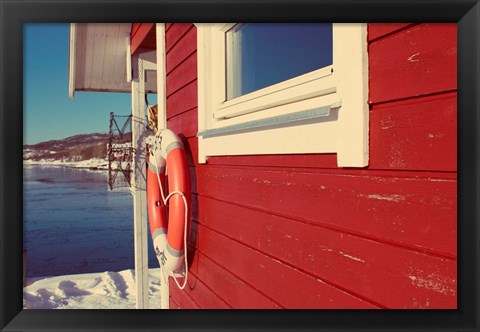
{"points": [[392, 198], [351, 257], [411, 58], [435, 282]]}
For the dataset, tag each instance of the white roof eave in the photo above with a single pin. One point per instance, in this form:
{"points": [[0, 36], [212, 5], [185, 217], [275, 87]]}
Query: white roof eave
{"points": [[98, 57]]}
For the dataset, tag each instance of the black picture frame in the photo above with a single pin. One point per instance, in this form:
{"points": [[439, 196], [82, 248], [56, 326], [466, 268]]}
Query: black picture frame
{"points": [[16, 13]]}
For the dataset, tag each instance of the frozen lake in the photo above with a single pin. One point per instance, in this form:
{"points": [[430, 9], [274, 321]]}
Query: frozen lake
{"points": [[74, 224]]}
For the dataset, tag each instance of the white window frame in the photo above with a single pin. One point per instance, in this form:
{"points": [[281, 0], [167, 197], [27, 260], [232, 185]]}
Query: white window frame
{"points": [[324, 111]]}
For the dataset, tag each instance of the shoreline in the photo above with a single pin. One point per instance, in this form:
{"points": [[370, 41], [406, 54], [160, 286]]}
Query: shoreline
{"points": [[95, 164]]}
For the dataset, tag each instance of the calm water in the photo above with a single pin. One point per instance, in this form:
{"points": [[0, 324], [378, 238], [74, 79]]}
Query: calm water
{"points": [[74, 224]]}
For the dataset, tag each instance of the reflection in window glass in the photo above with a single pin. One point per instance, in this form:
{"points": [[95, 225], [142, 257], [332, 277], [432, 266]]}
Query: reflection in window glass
{"points": [[263, 54]]}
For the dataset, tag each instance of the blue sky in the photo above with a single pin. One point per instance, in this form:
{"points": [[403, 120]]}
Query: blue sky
{"points": [[48, 113]]}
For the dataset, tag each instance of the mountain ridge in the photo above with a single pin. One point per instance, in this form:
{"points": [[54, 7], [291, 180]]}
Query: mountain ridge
{"points": [[73, 148], [74, 138]]}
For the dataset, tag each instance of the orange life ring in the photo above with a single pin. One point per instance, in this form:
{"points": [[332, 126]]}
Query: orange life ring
{"points": [[168, 233]]}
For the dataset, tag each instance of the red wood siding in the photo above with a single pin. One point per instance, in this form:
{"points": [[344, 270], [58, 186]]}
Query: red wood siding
{"points": [[296, 231], [142, 35], [420, 60], [376, 31], [429, 124]]}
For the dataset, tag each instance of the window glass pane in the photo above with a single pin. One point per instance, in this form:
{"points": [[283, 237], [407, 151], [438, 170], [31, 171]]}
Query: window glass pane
{"points": [[263, 54]]}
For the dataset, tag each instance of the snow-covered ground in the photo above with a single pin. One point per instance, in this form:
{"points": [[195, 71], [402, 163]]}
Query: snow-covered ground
{"points": [[94, 163], [107, 290], [89, 163]]}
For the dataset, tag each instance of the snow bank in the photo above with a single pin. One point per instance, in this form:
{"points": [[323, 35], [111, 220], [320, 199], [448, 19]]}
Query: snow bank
{"points": [[107, 290]]}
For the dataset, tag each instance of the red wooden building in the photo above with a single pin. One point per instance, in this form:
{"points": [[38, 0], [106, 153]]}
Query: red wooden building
{"points": [[358, 211]]}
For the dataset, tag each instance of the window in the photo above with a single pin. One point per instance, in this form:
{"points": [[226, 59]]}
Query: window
{"points": [[260, 55], [283, 89]]}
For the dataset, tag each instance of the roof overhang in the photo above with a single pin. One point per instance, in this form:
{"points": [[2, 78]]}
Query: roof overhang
{"points": [[98, 57]]}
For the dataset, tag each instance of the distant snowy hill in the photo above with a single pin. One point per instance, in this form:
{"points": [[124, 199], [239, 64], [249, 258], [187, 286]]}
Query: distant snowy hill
{"points": [[74, 149]]}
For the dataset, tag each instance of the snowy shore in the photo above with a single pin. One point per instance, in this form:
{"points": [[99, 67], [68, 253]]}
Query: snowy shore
{"points": [[107, 290], [94, 163]]}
